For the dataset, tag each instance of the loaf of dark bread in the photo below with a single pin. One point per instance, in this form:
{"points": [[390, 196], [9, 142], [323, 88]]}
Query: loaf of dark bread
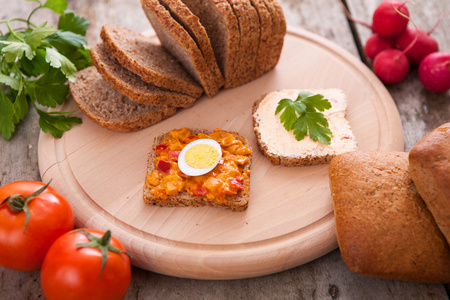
{"points": [[110, 109], [131, 85], [429, 164], [383, 227], [238, 202]]}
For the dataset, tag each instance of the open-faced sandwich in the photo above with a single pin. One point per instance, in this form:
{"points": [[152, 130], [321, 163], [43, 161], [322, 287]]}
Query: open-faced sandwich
{"points": [[189, 167]]}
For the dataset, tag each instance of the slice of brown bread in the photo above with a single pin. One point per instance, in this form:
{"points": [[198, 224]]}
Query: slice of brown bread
{"points": [[148, 59], [222, 27], [383, 227], [279, 32], [236, 203], [191, 23], [265, 20], [110, 109], [177, 41], [131, 85], [249, 29], [429, 164]]}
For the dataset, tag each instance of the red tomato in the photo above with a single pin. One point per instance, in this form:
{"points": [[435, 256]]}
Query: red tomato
{"points": [[71, 272], [50, 216]]}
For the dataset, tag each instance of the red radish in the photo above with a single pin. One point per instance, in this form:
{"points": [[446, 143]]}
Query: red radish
{"points": [[391, 66], [375, 44], [388, 20], [424, 45], [434, 72]]}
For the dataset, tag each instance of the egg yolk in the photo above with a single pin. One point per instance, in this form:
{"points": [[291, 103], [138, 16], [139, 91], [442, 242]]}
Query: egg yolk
{"points": [[201, 156]]}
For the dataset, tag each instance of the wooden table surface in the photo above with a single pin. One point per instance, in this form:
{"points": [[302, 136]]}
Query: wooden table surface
{"points": [[325, 278]]}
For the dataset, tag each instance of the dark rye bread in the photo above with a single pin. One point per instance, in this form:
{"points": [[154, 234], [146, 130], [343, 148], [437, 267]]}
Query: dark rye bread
{"points": [[191, 23], [131, 85], [235, 203], [279, 32], [429, 165], [383, 227], [265, 20], [148, 59], [222, 27], [249, 29], [110, 109], [180, 44]]}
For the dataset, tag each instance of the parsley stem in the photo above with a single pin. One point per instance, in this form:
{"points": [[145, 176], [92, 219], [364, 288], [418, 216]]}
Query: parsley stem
{"points": [[13, 32], [31, 14]]}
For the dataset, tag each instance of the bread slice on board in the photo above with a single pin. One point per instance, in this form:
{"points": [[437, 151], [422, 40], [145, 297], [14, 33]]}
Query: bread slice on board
{"points": [[181, 13], [429, 164], [148, 59], [131, 85], [383, 227], [280, 145], [222, 28], [238, 202], [110, 109], [265, 37], [279, 32], [177, 41], [249, 29]]}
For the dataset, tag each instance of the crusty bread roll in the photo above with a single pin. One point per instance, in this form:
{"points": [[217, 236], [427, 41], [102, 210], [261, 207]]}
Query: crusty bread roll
{"points": [[429, 165], [383, 227]]}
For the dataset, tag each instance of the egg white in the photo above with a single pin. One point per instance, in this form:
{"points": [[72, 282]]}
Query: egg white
{"points": [[187, 169]]}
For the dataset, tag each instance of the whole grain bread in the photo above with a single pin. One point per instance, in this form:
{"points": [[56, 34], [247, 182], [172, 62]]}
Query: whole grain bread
{"points": [[131, 85], [236, 203], [222, 28], [191, 23], [249, 29], [383, 227], [146, 57], [279, 32], [177, 41], [342, 139], [110, 109], [429, 164]]}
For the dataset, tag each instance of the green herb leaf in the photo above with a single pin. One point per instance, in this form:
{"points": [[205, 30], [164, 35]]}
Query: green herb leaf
{"points": [[56, 122], [35, 67], [12, 82], [58, 60], [71, 22], [20, 106], [50, 90], [38, 34], [15, 50], [58, 6], [301, 116], [6, 116]]}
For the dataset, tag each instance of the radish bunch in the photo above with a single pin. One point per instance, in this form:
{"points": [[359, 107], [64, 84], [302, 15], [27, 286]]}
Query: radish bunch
{"points": [[394, 47]]}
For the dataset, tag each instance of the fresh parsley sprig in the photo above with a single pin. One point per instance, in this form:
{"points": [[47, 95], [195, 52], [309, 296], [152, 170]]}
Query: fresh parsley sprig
{"points": [[36, 61], [303, 117]]}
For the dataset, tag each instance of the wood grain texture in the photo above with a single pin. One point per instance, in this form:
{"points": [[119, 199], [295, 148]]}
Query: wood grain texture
{"points": [[324, 278]]}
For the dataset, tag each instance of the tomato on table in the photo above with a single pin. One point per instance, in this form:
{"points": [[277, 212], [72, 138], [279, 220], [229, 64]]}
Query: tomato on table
{"points": [[30, 221], [86, 264]]}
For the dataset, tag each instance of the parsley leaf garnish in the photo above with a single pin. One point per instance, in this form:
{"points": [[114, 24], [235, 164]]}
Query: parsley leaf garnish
{"points": [[303, 115], [36, 61]]}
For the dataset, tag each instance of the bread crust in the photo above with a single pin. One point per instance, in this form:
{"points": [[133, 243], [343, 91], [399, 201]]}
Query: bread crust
{"points": [[178, 41], [148, 59], [236, 203], [131, 85], [96, 98], [429, 165], [383, 227], [279, 32]]}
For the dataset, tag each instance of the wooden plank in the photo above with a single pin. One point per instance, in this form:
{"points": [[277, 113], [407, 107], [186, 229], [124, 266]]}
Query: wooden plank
{"points": [[323, 278]]}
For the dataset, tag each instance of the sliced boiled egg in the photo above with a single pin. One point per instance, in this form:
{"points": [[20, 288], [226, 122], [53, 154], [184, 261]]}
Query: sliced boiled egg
{"points": [[199, 157]]}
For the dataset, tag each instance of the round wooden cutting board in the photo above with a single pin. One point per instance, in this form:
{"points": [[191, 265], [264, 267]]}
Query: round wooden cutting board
{"points": [[289, 220]]}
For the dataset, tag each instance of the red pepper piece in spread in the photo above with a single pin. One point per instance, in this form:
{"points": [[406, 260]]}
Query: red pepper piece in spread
{"points": [[161, 148], [201, 191], [236, 183], [174, 154], [163, 166]]}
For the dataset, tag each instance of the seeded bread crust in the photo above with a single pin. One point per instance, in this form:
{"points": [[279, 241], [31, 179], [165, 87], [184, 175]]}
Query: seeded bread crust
{"points": [[181, 13], [235, 203], [383, 227], [279, 32], [263, 52], [178, 41], [222, 27], [111, 110], [429, 164], [148, 59], [287, 161], [131, 85]]}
